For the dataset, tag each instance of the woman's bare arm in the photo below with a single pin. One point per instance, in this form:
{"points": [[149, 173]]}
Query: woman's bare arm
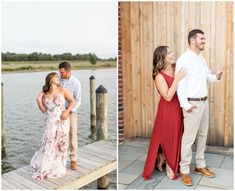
{"points": [[168, 93], [40, 102]]}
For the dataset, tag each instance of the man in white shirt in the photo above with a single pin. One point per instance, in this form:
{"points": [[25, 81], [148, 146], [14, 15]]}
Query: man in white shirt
{"points": [[192, 94], [74, 86]]}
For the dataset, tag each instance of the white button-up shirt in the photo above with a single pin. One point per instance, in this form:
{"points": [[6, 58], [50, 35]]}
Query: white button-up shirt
{"points": [[194, 84], [74, 86]]}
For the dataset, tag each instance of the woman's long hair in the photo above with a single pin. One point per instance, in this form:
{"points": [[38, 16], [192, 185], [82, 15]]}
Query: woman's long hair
{"points": [[47, 85], [159, 56]]}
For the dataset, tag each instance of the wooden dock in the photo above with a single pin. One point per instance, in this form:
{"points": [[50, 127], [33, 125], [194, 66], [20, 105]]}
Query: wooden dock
{"points": [[94, 161]]}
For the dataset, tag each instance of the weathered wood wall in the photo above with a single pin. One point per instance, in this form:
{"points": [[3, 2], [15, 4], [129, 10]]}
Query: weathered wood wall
{"points": [[146, 25]]}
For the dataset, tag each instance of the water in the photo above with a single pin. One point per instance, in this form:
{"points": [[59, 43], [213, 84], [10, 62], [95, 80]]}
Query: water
{"points": [[24, 121]]}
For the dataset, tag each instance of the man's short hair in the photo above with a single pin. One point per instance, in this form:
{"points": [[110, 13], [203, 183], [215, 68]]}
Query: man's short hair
{"points": [[65, 65], [193, 33]]}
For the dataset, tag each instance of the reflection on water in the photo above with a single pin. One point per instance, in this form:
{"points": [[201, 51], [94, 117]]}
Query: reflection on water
{"points": [[24, 121]]}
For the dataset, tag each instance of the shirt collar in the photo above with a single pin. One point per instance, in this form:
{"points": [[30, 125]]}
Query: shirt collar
{"points": [[71, 76], [193, 53]]}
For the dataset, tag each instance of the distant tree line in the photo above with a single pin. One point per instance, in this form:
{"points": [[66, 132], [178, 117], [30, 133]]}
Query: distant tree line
{"points": [[35, 56]]}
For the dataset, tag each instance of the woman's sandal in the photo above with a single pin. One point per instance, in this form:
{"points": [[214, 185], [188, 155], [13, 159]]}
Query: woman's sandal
{"points": [[160, 163], [169, 172]]}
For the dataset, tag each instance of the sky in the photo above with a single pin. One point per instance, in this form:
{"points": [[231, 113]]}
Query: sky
{"points": [[59, 27]]}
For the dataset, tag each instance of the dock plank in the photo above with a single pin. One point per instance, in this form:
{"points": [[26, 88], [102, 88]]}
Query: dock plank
{"points": [[95, 158], [103, 155], [105, 151], [19, 181], [94, 161], [26, 173], [92, 176]]}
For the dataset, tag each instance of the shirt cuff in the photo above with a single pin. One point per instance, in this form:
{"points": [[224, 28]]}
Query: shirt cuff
{"points": [[74, 110], [186, 106], [215, 78]]}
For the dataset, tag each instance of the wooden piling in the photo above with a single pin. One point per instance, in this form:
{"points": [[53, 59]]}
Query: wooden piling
{"points": [[3, 128], [101, 127], [92, 108]]}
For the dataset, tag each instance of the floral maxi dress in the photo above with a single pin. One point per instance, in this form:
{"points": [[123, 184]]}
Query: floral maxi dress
{"points": [[49, 160]]}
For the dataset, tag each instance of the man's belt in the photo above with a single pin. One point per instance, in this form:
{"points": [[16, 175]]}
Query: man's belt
{"points": [[197, 99]]}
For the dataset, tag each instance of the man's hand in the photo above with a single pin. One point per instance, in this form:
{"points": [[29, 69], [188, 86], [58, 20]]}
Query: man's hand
{"points": [[191, 109], [64, 115], [219, 74]]}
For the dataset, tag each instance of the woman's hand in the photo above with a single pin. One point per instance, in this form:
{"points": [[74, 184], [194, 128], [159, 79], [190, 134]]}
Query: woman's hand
{"points": [[180, 74], [64, 115]]}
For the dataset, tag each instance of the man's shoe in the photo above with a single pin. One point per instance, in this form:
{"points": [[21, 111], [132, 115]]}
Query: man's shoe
{"points": [[186, 179], [74, 165], [205, 172]]}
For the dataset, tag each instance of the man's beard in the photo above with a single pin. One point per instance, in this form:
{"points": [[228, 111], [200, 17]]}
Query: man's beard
{"points": [[199, 47]]}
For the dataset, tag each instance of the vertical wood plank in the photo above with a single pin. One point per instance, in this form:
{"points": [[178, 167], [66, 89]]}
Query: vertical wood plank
{"points": [[228, 70], [183, 30], [148, 44], [135, 53], [198, 14], [142, 71], [190, 16], [149, 24], [219, 58], [222, 66], [175, 31], [127, 69]]}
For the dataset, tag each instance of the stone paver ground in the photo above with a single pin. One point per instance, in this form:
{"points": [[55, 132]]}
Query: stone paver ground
{"points": [[132, 154]]}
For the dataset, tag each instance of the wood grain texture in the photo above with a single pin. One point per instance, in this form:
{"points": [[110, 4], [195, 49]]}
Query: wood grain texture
{"points": [[94, 161], [147, 25]]}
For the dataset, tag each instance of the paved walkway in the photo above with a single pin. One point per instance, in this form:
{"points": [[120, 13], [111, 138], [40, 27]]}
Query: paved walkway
{"points": [[132, 155]]}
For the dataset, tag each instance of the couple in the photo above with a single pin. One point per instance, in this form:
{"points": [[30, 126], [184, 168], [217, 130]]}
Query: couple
{"points": [[176, 129], [59, 99]]}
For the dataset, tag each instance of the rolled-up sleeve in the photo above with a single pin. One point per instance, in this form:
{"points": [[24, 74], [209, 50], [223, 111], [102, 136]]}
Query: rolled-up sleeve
{"points": [[211, 77]]}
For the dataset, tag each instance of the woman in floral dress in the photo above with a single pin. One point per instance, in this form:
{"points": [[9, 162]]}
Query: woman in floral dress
{"points": [[49, 160]]}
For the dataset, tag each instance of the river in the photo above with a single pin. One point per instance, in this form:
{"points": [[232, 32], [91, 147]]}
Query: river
{"points": [[24, 121]]}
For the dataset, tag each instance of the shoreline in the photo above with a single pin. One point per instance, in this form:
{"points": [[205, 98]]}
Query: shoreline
{"points": [[55, 68], [32, 71]]}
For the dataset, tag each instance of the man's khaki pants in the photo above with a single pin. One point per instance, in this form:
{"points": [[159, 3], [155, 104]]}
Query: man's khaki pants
{"points": [[195, 129], [73, 137]]}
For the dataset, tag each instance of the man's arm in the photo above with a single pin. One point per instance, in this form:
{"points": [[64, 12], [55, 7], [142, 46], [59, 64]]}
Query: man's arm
{"points": [[213, 77], [181, 90], [77, 95]]}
